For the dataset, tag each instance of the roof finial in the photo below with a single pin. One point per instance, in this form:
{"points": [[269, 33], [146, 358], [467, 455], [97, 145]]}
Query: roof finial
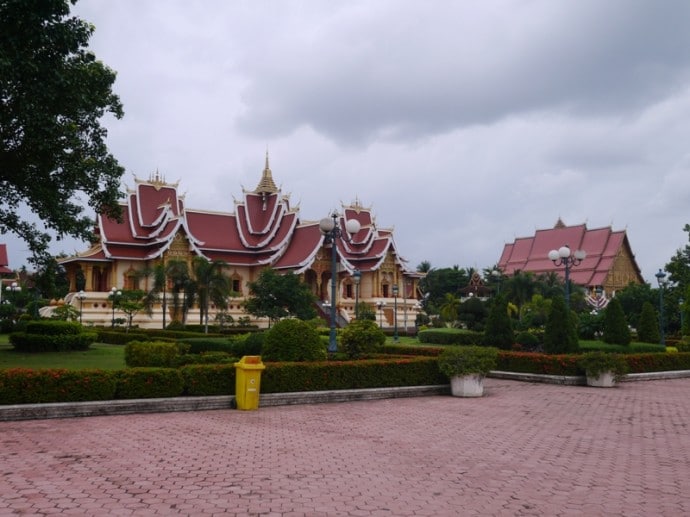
{"points": [[266, 185]]}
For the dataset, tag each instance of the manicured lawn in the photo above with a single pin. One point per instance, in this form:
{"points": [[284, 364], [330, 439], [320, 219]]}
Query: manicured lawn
{"points": [[105, 357]]}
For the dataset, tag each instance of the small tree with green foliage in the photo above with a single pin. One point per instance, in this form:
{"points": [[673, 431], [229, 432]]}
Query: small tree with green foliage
{"points": [[293, 340], [616, 331], [499, 328], [361, 337], [560, 335], [277, 296], [648, 325]]}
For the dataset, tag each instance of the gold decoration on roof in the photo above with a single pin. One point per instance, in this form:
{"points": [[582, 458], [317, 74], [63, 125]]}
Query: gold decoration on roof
{"points": [[266, 185]]}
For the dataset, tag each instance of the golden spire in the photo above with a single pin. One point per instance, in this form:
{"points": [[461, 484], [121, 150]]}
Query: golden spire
{"points": [[266, 185]]}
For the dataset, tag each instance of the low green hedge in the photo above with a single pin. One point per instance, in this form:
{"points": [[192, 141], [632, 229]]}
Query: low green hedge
{"points": [[36, 343], [140, 383], [53, 327], [450, 337], [22, 386], [153, 353], [28, 386], [432, 351], [113, 337]]}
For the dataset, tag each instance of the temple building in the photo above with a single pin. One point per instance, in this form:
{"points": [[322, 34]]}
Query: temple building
{"points": [[264, 230], [609, 264]]}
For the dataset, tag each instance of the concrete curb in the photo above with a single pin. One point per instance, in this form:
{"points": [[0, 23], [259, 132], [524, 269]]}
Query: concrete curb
{"points": [[163, 405]]}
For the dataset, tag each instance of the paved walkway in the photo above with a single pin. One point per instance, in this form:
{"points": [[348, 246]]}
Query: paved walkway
{"points": [[523, 449]]}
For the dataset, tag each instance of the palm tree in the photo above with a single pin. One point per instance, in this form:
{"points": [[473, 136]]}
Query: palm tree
{"points": [[520, 288], [178, 272], [210, 285], [449, 308], [159, 286]]}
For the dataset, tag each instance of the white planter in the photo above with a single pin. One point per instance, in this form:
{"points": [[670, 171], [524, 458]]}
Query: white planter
{"points": [[605, 380], [467, 385]]}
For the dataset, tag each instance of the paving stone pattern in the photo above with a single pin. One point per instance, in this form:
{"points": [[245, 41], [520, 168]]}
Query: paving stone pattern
{"points": [[523, 449]]}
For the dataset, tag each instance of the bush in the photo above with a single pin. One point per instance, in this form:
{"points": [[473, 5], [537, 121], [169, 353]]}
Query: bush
{"points": [[113, 337], [616, 329], [528, 341], [205, 358], [648, 325], [361, 337], [29, 386], [153, 353], [596, 363], [53, 327], [543, 364], [36, 343], [252, 344], [293, 340], [560, 336], [446, 336], [467, 360], [207, 380], [499, 329], [139, 383], [200, 345]]}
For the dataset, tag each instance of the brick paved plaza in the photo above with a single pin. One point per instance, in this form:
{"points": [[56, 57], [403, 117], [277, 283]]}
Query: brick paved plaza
{"points": [[523, 449]]}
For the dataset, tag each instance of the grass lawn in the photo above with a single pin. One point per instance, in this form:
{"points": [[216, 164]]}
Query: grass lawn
{"points": [[105, 357]]}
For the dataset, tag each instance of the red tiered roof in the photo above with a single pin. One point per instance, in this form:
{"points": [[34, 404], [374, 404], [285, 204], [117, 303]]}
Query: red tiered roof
{"points": [[530, 254], [264, 230]]}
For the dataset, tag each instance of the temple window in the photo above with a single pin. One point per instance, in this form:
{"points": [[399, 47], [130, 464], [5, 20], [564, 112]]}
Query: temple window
{"points": [[237, 285], [385, 290], [348, 291], [131, 280]]}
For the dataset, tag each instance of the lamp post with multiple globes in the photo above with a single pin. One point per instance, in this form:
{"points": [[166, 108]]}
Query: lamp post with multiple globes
{"points": [[332, 230], [563, 257]]}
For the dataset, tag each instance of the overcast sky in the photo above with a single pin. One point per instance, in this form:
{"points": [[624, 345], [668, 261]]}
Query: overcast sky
{"points": [[462, 124]]}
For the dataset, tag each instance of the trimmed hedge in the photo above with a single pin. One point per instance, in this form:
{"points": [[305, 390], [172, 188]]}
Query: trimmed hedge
{"points": [[53, 327], [112, 337], [206, 380], [411, 350], [140, 383], [451, 337], [532, 362], [153, 353], [28, 386], [36, 343]]}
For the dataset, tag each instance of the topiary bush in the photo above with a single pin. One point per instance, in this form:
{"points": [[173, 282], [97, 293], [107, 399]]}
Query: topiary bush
{"points": [[361, 337], [648, 325], [153, 353], [616, 329], [499, 329], [447, 336], [293, 340], [52, 336], [560, 335]]}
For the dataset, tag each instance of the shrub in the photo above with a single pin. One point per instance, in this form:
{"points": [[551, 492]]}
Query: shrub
{"points": [[648, 325], [153, 353], [361, 337], [446, 336], [29, 386], [467, 360], [252, 344], [53, 327], [545, 364], [596, 363], [499, 329], [207, 380], [36, 343], [200, 345], [138, 383], [560, 336], [528, 341], [616, 329], [293, 340], [205, 358]]}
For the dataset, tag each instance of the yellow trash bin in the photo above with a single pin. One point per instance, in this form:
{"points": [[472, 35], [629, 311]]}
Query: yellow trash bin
{"points": [[248, 381]]}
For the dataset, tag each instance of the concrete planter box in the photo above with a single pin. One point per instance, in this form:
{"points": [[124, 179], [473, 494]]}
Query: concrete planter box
{"points": [[467, 385], [604, 380]]}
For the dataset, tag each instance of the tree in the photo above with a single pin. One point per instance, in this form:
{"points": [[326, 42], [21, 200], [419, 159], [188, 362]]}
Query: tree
{"points": [[210, 285], [633, 297], [519, 288], [277, 296], [616, 329], [449, 309], [560, 335], [648, 325], [53, 92], [178, 272], [499, 329]]}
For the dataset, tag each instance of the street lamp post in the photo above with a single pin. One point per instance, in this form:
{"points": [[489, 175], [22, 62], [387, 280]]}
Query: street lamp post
{"points": [[395, 313], [358, 278], [496, 274], [114, 295], [81, 295], [562, 257], [332, 230], [660, 276], [681, 303], [380, 306]]}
